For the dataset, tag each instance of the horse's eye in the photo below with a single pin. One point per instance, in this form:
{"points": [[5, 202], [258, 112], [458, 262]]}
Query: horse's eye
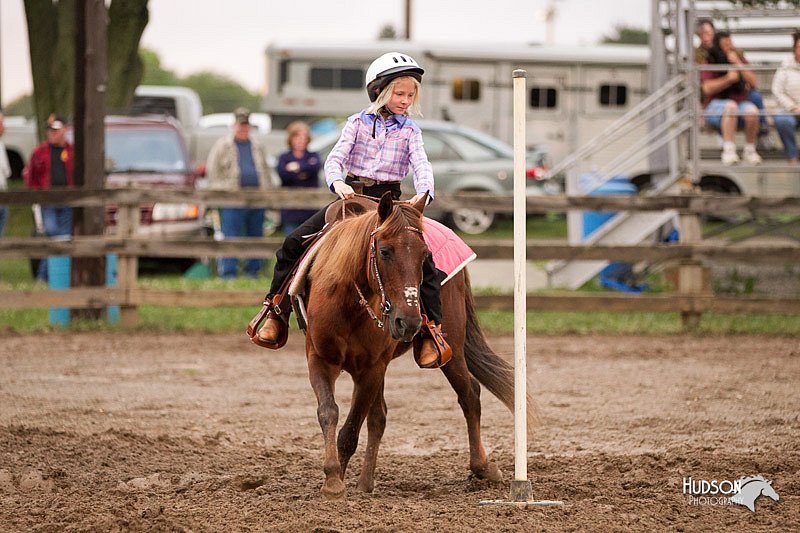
{"points": [[386, 253]]}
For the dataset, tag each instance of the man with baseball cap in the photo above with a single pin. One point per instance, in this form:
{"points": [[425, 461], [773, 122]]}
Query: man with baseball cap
{"points": [[239, 162], [50, 166]]}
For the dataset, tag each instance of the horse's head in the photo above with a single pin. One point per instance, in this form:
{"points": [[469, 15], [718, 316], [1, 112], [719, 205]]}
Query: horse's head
{"points": [[397, 251], [768, 491]]}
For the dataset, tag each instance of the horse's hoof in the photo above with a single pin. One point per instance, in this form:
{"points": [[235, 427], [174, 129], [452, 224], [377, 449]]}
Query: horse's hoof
{"points": [[365, 487], [490, 474], [334, 489], [493, 474]]}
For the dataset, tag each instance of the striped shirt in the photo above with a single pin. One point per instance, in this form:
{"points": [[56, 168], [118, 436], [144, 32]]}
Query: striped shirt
{"points": [[384, 157]]}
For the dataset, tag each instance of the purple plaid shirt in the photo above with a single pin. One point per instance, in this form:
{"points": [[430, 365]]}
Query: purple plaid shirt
{"points": [[397, 143]]}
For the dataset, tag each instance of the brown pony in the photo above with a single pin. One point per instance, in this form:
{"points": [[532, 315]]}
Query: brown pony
{"points": [[343, 334]]}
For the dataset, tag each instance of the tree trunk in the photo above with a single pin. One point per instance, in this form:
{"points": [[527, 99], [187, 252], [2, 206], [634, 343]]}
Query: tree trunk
{"points": [[127, 21], [51, 36]]}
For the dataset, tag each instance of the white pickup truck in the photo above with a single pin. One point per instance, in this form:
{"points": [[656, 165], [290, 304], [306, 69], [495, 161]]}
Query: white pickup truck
{"points": [[182, 103], [201, 132]]}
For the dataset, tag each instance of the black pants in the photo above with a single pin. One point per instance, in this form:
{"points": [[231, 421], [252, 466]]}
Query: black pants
{"points": [[293, 248]]}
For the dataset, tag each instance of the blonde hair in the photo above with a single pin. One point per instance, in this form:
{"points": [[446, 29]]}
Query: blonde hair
{"points": [[295, 128], [414, 109]]}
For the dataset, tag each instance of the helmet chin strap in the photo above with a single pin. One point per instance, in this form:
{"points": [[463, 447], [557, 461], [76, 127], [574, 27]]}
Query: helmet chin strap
{"points": [[383, 111]]}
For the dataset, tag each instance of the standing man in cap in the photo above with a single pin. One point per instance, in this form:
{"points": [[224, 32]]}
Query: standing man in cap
{"points": [[50, 166], [239, 162]]}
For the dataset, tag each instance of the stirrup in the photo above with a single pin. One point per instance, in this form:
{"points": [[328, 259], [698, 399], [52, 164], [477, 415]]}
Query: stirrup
{"points": [[267, 311], [431, 331]]}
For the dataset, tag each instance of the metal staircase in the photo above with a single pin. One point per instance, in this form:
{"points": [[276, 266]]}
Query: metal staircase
{"points": [[666, 127]]}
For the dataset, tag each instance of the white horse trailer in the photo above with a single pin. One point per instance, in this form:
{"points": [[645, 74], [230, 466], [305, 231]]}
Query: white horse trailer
{"points": [[573, 92]]}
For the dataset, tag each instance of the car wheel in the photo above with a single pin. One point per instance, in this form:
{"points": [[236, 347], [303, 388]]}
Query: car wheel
{"points": [[471, 221], [719, 186]]}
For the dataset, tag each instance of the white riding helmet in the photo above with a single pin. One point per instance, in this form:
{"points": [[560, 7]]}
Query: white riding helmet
{"points": [[388, 67]]}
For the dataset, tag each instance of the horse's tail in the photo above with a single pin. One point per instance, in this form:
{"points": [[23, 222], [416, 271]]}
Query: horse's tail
{"points": [[493, 372]]}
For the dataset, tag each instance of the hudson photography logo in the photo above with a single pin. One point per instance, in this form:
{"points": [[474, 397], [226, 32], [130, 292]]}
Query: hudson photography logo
{"points": [[743, 491]]}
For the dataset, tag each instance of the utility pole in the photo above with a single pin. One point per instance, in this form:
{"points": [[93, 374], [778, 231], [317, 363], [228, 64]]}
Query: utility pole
{"points": [[549, 23], [91, 23], [1, 63], [408, 20]]}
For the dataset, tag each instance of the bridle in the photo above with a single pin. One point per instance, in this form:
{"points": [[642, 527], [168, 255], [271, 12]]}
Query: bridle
{"points": [[372, 270]]}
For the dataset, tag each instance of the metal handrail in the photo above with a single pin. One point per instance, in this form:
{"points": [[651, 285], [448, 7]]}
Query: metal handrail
{"points": [[652, 141], [618, 125]]}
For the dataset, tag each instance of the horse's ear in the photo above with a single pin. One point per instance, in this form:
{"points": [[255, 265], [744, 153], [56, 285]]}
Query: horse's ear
{"points": [[420, 204], [386, 206]]}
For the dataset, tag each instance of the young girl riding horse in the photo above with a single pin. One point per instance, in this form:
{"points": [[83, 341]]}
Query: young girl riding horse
{"points": [[376, 147]]}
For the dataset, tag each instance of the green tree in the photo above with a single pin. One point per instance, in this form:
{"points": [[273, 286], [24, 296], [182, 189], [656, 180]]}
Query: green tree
{"points": [[22, 106], [627, 35], [220, 93], [387, 32], [51, 38], [153, 72]]}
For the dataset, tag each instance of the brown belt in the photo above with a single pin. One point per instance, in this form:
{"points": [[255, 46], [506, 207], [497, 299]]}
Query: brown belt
{"points": [[369, 182]]}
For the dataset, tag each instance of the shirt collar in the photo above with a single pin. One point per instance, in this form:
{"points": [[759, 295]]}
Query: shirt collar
{"points": [[370, 118]]}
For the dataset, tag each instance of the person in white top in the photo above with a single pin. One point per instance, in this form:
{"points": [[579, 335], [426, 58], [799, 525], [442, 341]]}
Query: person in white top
{"points": [[5, 173], [786, 89]]}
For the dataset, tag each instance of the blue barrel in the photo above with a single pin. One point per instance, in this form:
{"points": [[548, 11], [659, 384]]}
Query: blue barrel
{"points": [[112, 311], [616, 186], [593, 220], [59, 278]]}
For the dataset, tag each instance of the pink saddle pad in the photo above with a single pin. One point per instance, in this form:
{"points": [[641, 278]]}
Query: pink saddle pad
{"points": [[450, 252]]}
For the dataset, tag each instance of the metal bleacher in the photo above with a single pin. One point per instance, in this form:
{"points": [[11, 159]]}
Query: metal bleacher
{"points": [[679, 150]]}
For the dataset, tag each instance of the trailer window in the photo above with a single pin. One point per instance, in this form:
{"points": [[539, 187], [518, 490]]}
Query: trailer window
{"points": [[336, 78], [544, 97], [464, 89], [613, 95], [283, 73]]}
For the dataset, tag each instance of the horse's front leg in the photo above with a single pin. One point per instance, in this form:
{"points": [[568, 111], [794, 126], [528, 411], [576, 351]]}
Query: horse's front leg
{"points": [[366, 387], [323, 378]]}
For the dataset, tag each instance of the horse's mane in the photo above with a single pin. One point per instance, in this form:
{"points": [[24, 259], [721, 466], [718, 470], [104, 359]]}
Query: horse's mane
{"points": [[342, 256], [745, 480]]}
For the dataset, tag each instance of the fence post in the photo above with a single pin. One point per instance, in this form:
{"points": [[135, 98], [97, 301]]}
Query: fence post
{"points": [[127, 265], [690, 271]]}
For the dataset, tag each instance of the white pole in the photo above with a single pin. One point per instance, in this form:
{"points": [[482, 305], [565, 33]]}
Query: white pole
{"points": [[521, 491], [520, 487]]}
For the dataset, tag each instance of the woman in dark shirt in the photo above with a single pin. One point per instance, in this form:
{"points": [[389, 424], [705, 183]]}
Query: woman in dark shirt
{"points": [[298, 167]]}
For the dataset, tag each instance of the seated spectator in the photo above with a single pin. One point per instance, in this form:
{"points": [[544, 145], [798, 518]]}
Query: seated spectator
{"points": [[298, 167], [707, 33], [725, 103], [786, 89]]}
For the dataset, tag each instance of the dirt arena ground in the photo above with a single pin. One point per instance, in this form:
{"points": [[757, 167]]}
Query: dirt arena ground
{"points": [[209, 433]]}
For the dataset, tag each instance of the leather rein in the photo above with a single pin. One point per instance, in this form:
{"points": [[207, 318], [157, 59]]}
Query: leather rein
{"points": [[372, 270]]}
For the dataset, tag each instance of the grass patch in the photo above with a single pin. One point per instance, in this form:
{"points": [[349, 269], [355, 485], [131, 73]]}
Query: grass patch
{"points": [[577, 323], [158, 319], [548, 226]]}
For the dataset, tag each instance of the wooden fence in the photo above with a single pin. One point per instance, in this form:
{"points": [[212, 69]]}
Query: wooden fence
{"points": [[693, 296]]}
